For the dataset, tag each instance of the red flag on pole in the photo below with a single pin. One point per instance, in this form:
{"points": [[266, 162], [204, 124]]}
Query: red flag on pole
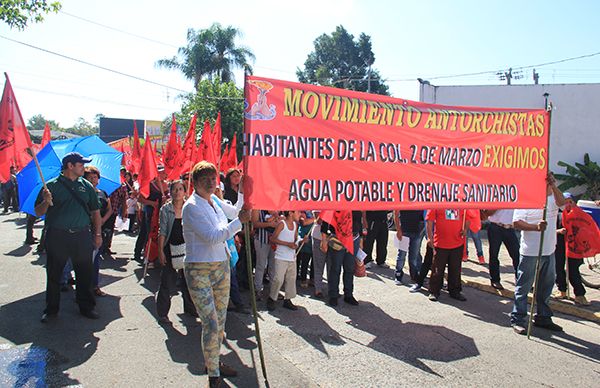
{"points": [[341, 220], [187, 156], [217, 140], [205, 149], [583, 237], [46, 137], [171, 152], [232, 157], [14, 138], [136, 154], [148, 170]]}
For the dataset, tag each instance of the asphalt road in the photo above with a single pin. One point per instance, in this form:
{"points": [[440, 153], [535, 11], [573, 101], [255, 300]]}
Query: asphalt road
{"points": [[392, 339]]}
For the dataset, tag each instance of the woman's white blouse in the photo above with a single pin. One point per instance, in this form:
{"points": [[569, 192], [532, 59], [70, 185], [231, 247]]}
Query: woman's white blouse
{"points": [[206, 230]]}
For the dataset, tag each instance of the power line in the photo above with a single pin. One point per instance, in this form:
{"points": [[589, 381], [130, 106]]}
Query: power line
{"points": [[93, 65], [118, 30]]}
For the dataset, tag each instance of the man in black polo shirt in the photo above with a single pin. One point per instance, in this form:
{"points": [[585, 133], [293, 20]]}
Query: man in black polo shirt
{"points": [[71, 206]]}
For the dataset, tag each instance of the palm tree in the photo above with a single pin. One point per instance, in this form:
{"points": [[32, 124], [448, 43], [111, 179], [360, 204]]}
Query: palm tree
{"points": [[209, 52]]}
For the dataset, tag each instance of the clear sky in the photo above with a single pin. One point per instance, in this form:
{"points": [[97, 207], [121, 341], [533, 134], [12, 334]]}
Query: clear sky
{"points": [[411, 39]]}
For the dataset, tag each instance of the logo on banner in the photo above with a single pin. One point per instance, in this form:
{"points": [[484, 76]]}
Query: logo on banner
{"points": [[260, 110], [452, 215]]}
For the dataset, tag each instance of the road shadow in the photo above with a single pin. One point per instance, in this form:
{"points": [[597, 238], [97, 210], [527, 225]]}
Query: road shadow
{"points": [[569, 344], [409, 342], [310, 327], [21, 251], [45, 352]]}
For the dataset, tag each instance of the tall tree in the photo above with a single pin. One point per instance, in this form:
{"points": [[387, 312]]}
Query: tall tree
{"points": [[17, 13], [38, 122], [340, 61], [210, 53]]}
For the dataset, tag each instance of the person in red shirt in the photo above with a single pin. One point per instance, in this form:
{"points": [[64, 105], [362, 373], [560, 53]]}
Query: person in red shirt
{"points": [[446, 230]]}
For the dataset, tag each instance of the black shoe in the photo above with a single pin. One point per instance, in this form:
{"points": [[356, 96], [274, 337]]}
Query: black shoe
{"points": [[497, 286], [241, 309], [31, 241], [287, 303], [350, 300], [458, 296], [46, 317], [548, 325], [66, 288], [214, 381], [433, 297], [270, 304], [333, 302], [91, 314], [192, 313]]}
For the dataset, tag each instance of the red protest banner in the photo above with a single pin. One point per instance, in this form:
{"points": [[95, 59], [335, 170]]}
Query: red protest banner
{"points": [[311, 147]]}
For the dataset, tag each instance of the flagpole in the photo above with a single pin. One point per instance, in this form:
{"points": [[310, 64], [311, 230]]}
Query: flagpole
{"points": [[249, 267], [39, 169], [536, 278]]}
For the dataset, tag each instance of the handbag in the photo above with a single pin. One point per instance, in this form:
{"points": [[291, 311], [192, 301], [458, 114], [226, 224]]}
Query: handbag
{"points": [[177, 255], [334, 243]]}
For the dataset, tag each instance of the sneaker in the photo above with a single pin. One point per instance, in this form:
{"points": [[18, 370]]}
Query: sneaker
{"points": [[415, 288], [369, 265], [581, 300], [433, 297], [383, 265], [560, 295], [497, 285], [549, 325], [519, 329], [164, 320], [333, 302], [287, 303], [303, 284], [397, 282], [350, 300], [270, 304], [481, 259]]}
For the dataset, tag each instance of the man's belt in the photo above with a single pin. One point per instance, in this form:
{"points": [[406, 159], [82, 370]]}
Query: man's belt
{"points": [[73, 230], [505, 226]]}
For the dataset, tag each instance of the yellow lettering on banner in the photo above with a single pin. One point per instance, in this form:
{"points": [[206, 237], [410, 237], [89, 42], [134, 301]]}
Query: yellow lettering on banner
{"points": [[431, 121], [387, 114], [465, 125], [477, 119], [350, 109], [414, 117], [292, 102], [326, 103], [305, 106], [373, 113], [336, 111], [400, 116], [539, 125]]}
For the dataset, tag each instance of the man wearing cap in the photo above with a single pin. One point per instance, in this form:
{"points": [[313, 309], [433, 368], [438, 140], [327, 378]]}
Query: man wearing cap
{"points": [[71, 206]]}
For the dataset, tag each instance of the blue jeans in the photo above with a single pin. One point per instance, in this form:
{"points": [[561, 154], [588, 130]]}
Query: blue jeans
{"points": [[525, 278], [335, 261], [66, 273], [477, 241], [415, 259]]}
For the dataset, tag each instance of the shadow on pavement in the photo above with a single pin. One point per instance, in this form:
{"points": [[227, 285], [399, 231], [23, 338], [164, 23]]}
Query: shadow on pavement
{"points": [[407, 341], [45, 351], [20, 251]]}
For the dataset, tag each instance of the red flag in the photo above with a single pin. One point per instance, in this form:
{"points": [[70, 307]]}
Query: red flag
{"points": [[583, 237], [171, 152], [46, 137], [187, 156], [342, 222], [14, 138], [151, 251], [233, 162], [136, 154], [217, 140], [148, 170], [205, 149], [224, 162]]}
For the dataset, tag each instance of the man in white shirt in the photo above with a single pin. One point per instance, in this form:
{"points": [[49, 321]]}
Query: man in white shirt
{"points": [[501, 231], [532, 225]]}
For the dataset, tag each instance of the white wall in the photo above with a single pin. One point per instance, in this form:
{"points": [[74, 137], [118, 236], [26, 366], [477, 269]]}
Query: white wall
{"points": [[575, 124]]}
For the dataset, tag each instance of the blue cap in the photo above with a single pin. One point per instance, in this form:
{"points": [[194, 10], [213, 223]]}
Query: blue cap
{"points": [[74, 157], [568, 195]]}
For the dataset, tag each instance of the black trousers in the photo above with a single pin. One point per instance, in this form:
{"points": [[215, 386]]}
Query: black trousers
{"points": [[378, 232], [497, 236], [426, 266], [561, 274], [10, 198], [168, 288], [29, 229], [142, 238], [60, 246], [452, 258]]}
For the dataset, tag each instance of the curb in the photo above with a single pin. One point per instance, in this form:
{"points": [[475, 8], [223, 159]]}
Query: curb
{"points": [[557, 306]]}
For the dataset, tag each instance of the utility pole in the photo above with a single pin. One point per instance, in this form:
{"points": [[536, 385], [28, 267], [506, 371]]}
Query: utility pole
{"points": [[369, 80], [536, 77]]}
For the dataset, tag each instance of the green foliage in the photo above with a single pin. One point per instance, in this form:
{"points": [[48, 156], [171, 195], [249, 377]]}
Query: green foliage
{"points": [[17, 13], [38, 122], [586, 174], [211, 98], [340, 61], [83, 128], [209, 53]]}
